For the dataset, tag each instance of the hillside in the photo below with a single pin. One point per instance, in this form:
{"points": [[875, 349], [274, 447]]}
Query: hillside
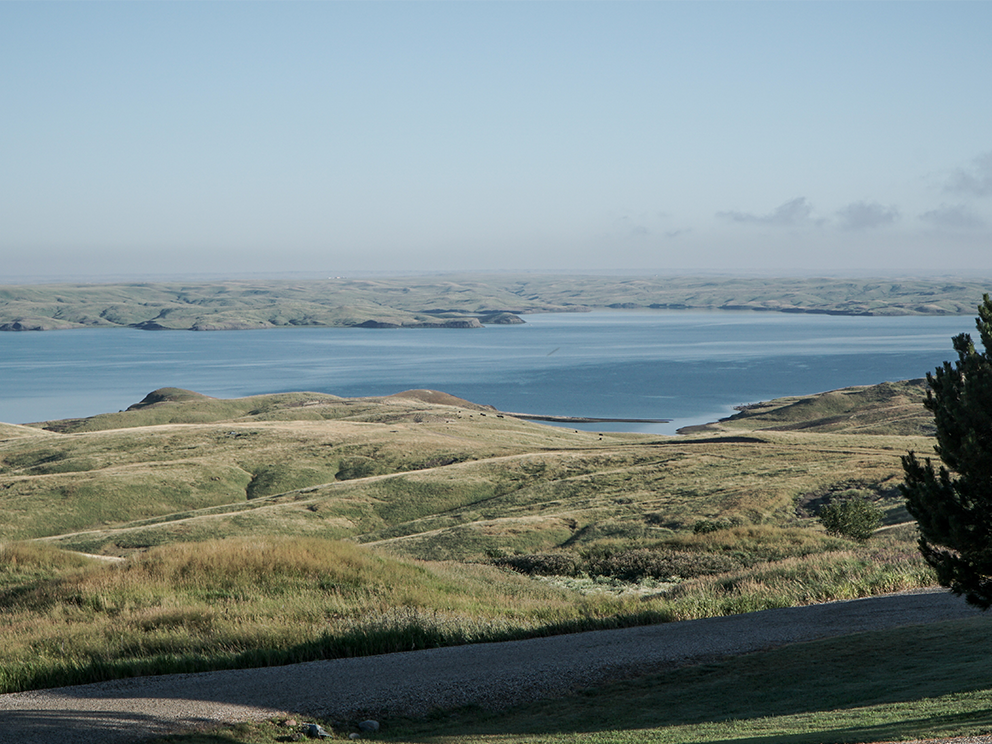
{"points": [[286, 527], [455, 301], [430, 475], [888, 408]]}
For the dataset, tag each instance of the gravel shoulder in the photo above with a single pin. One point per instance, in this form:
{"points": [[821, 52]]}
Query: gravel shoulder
{"points": [[492, 675]]}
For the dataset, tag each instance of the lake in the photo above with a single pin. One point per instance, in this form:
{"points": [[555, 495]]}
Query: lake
{"points": [[691, 367]]}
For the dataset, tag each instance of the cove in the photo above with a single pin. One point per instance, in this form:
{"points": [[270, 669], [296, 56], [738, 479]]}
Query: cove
{"points": [[687, 366]]}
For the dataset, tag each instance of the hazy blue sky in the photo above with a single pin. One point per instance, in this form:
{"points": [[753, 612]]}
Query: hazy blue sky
{"points": [[784, 137]]}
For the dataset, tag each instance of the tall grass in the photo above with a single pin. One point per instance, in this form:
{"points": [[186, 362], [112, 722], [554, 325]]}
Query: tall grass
{"points": [[265, 601], [796, 581], [237, 603], [682, 556]]}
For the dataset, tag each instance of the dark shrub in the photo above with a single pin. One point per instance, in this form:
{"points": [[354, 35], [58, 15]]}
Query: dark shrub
{"points": [[854, 517], [350, 468], [633, 565], [541, 564], [703, 526]]}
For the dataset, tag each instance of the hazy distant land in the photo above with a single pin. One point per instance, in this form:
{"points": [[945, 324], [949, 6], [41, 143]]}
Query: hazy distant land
{"points": [[455, 301]]}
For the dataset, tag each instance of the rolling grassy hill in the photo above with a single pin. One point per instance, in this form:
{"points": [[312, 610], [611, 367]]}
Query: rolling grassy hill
{"points": [[285, 527], [429, 479], [885, 409]]}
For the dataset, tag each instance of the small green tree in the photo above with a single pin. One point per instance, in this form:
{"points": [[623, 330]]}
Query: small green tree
{"points": [[854, 517], [952, 504]]}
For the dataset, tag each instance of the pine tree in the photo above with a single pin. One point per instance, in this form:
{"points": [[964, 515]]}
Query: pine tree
{"points": [[952, 504]]}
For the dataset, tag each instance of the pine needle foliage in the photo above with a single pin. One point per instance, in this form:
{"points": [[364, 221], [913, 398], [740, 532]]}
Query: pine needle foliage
{"points": [[952, 503]]}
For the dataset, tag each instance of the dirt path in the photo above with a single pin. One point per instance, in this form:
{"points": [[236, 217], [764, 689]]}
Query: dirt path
{"points": [[492, 675]]}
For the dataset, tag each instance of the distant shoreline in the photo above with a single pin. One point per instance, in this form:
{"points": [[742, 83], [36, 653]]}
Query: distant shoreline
{"points": [[457, 300]]}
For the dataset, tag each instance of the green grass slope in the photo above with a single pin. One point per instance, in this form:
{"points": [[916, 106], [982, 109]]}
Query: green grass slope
{"points": [[14, 431], [179, 451], [252, 602], [431, 476], [581, 529], [890, 408]]}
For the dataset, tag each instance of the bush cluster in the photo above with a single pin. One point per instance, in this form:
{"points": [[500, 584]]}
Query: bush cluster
{"points": [[625, 565], [853, 517], [633, 565], [542, 564], [706, 526]]}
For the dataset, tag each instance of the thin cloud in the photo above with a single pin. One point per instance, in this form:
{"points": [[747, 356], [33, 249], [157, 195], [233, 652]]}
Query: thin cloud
{"points": [[632, 227], [864, 215], [794, 212], [975, 180], [953, 217]]}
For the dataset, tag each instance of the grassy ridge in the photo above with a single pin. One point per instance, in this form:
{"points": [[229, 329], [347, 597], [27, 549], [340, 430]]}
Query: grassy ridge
{"points": [[230, 512], [158, 460], [433, 301], [424, 479], [887, 408]]}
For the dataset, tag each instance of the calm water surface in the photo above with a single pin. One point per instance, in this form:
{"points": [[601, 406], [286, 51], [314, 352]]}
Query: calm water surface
{"points": [[688, 366]]}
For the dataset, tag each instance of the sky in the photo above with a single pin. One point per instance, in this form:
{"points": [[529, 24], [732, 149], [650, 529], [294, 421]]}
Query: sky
{"points": [[333, 138]]}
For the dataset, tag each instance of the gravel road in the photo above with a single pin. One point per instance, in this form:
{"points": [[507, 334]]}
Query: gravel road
{"points": [[492, 674]]}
